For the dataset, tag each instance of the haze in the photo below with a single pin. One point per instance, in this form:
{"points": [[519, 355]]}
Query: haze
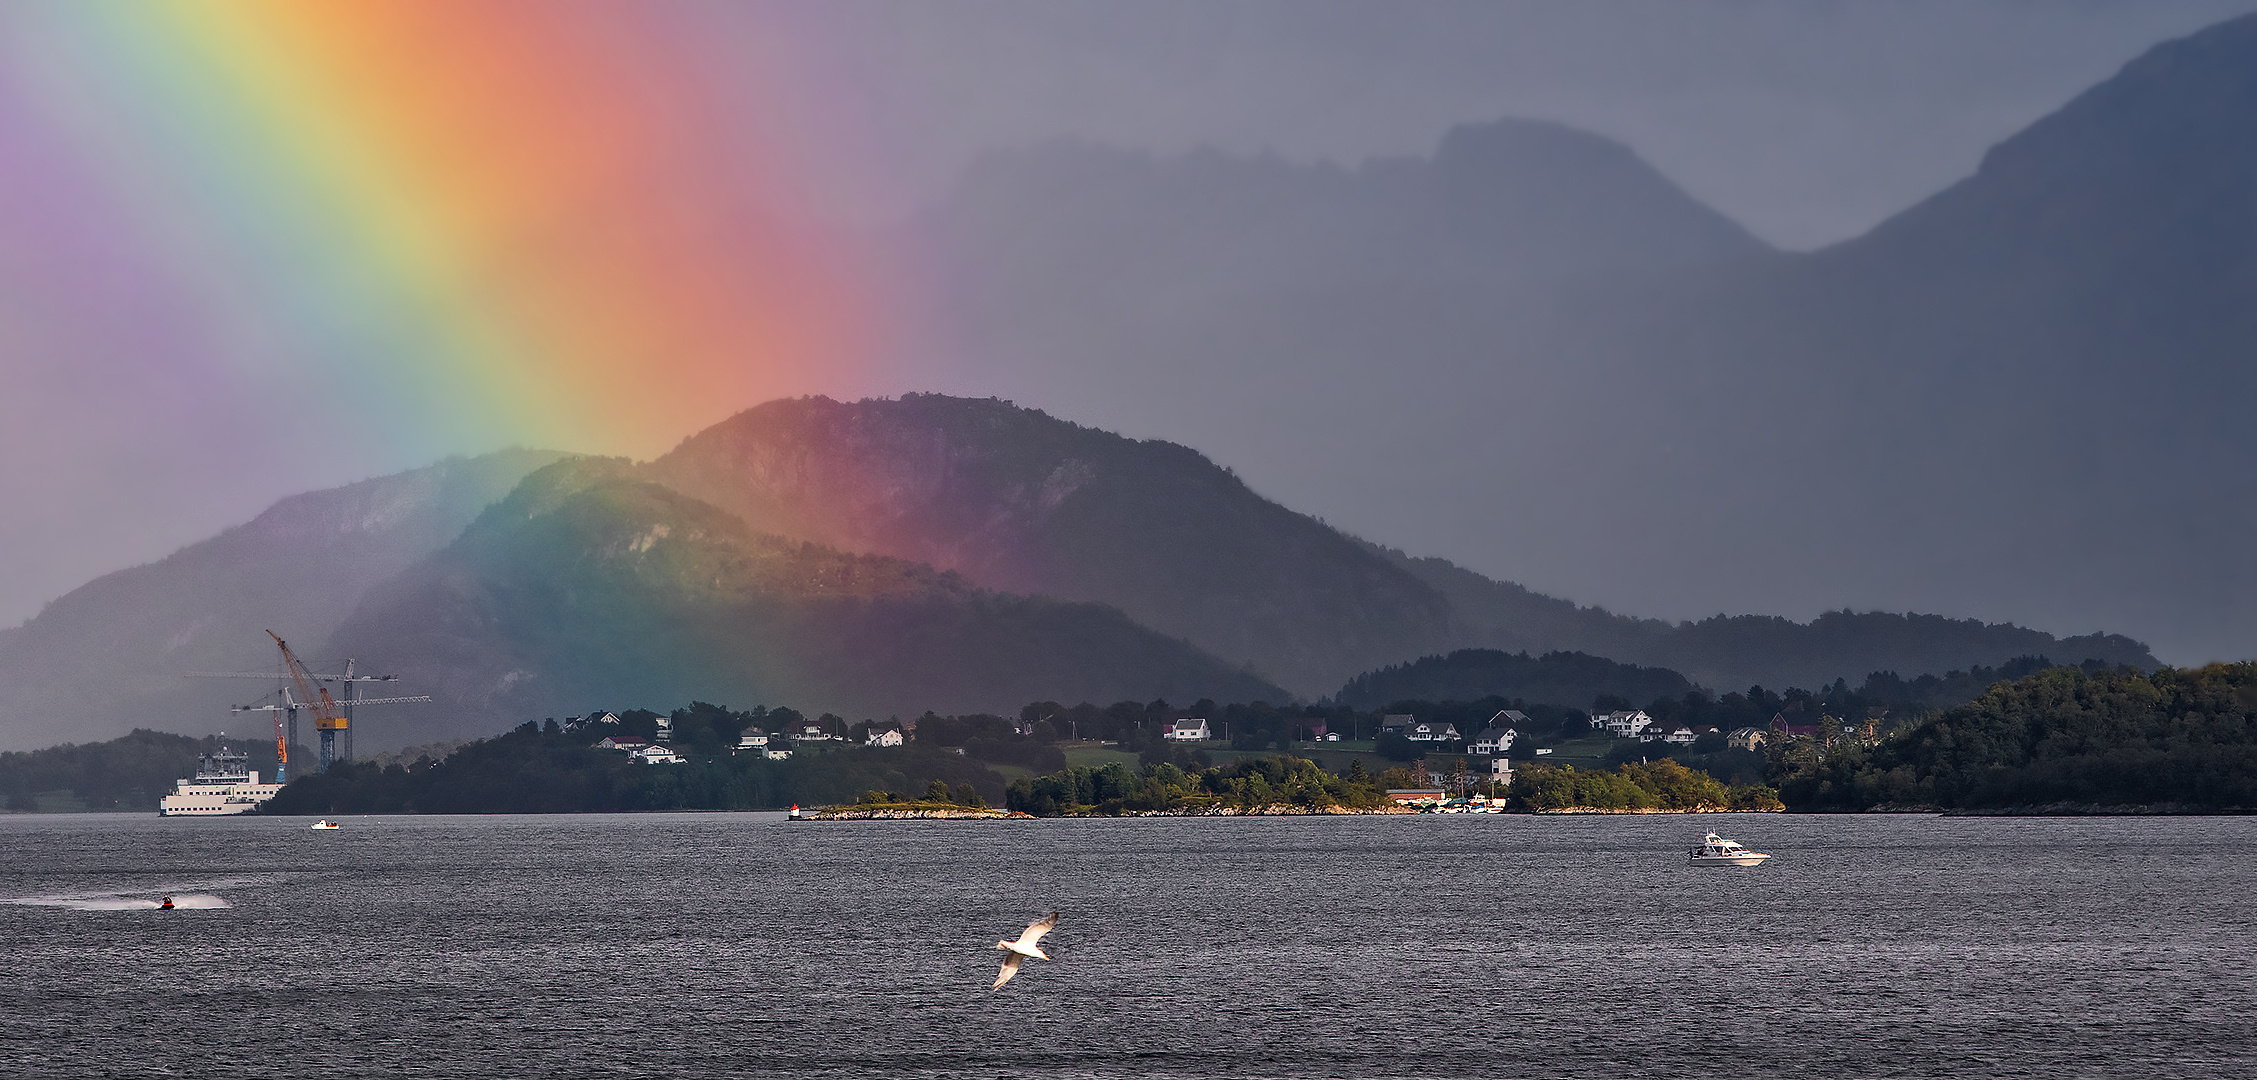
{"points": [[1806, 124]]}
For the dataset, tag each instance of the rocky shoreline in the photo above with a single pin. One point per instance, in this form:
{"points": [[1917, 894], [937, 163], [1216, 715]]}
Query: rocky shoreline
{"points": [[904, 813], [922, 813], [1272, 810], [1689, 810]]}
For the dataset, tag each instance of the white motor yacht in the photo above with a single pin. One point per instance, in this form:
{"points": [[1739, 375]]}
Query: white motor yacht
{"points": [[325, 823], [1719, 851]]}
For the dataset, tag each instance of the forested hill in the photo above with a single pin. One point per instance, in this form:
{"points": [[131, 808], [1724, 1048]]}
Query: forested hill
{"points": [[2062, 739]]}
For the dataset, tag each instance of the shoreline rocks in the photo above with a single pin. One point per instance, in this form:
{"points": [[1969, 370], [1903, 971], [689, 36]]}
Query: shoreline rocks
{"points": [[903, 813]]}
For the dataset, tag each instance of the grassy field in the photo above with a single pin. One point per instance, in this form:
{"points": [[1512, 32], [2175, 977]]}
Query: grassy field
{"points": [[1588, 752], [1095, 756]]}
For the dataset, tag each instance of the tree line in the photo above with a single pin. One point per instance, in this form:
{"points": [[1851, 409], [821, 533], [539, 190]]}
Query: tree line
{"points": [[544, 768], [2168, 739]]}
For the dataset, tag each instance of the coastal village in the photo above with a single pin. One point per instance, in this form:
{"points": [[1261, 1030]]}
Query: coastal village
{"points": [[1475, 766]]}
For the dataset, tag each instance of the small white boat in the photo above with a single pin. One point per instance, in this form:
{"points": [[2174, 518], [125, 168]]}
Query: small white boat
{"points": [[325, 823], [1719, 851]]}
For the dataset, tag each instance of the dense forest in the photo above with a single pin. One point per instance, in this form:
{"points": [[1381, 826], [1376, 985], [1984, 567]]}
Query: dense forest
{"points": [[2062, 738], [1662, 785], [1245, 785]]}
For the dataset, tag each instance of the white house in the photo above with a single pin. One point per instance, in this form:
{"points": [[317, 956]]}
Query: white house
{"points": [[1432, 733], [1681, 737], [813, 732], [573, 723], [1745, 738], [1623, 725], [887, 737], [655, 755], [665, 729], [1190, 730], [752, 739], [1495, 740], [621, 742]]}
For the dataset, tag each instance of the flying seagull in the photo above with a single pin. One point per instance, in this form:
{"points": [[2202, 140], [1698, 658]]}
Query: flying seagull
{"points": [[1015, 951]]}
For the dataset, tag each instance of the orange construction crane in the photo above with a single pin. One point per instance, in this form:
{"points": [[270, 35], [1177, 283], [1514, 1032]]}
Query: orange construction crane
{"points": [[327, 717]]}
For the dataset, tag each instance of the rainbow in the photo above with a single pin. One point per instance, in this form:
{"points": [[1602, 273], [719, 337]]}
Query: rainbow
{"points": [[448, 225]]}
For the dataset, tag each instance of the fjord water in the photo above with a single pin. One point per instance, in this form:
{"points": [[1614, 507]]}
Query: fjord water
{"points": [[1477, 946]]}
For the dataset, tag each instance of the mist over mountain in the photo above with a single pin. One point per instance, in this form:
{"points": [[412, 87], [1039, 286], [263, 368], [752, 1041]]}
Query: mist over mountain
{"points": [[591, 588], [109, 656], [2020, 401]]}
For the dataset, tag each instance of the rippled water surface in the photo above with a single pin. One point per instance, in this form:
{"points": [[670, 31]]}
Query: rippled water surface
{"points": [[1460, 946]]}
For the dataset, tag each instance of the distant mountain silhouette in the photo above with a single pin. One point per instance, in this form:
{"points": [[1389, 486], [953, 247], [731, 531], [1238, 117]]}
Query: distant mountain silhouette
{"points": [[1075, 223], [109, 656], [1726, 653], [1021, 502], [2024, 399], [1113, 276], [589, 588], [2028, 393]]}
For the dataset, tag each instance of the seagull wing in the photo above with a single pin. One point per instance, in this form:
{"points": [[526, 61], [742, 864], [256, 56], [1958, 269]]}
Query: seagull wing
{"points": [[1037, 928], [1010, 968]]}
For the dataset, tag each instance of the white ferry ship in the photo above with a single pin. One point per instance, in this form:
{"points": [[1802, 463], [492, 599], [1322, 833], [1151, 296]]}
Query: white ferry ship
{"points": [[224, 784]]}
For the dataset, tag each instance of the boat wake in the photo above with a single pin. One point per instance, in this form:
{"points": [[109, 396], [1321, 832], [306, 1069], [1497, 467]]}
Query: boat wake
{"points": [[116, 902]]}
